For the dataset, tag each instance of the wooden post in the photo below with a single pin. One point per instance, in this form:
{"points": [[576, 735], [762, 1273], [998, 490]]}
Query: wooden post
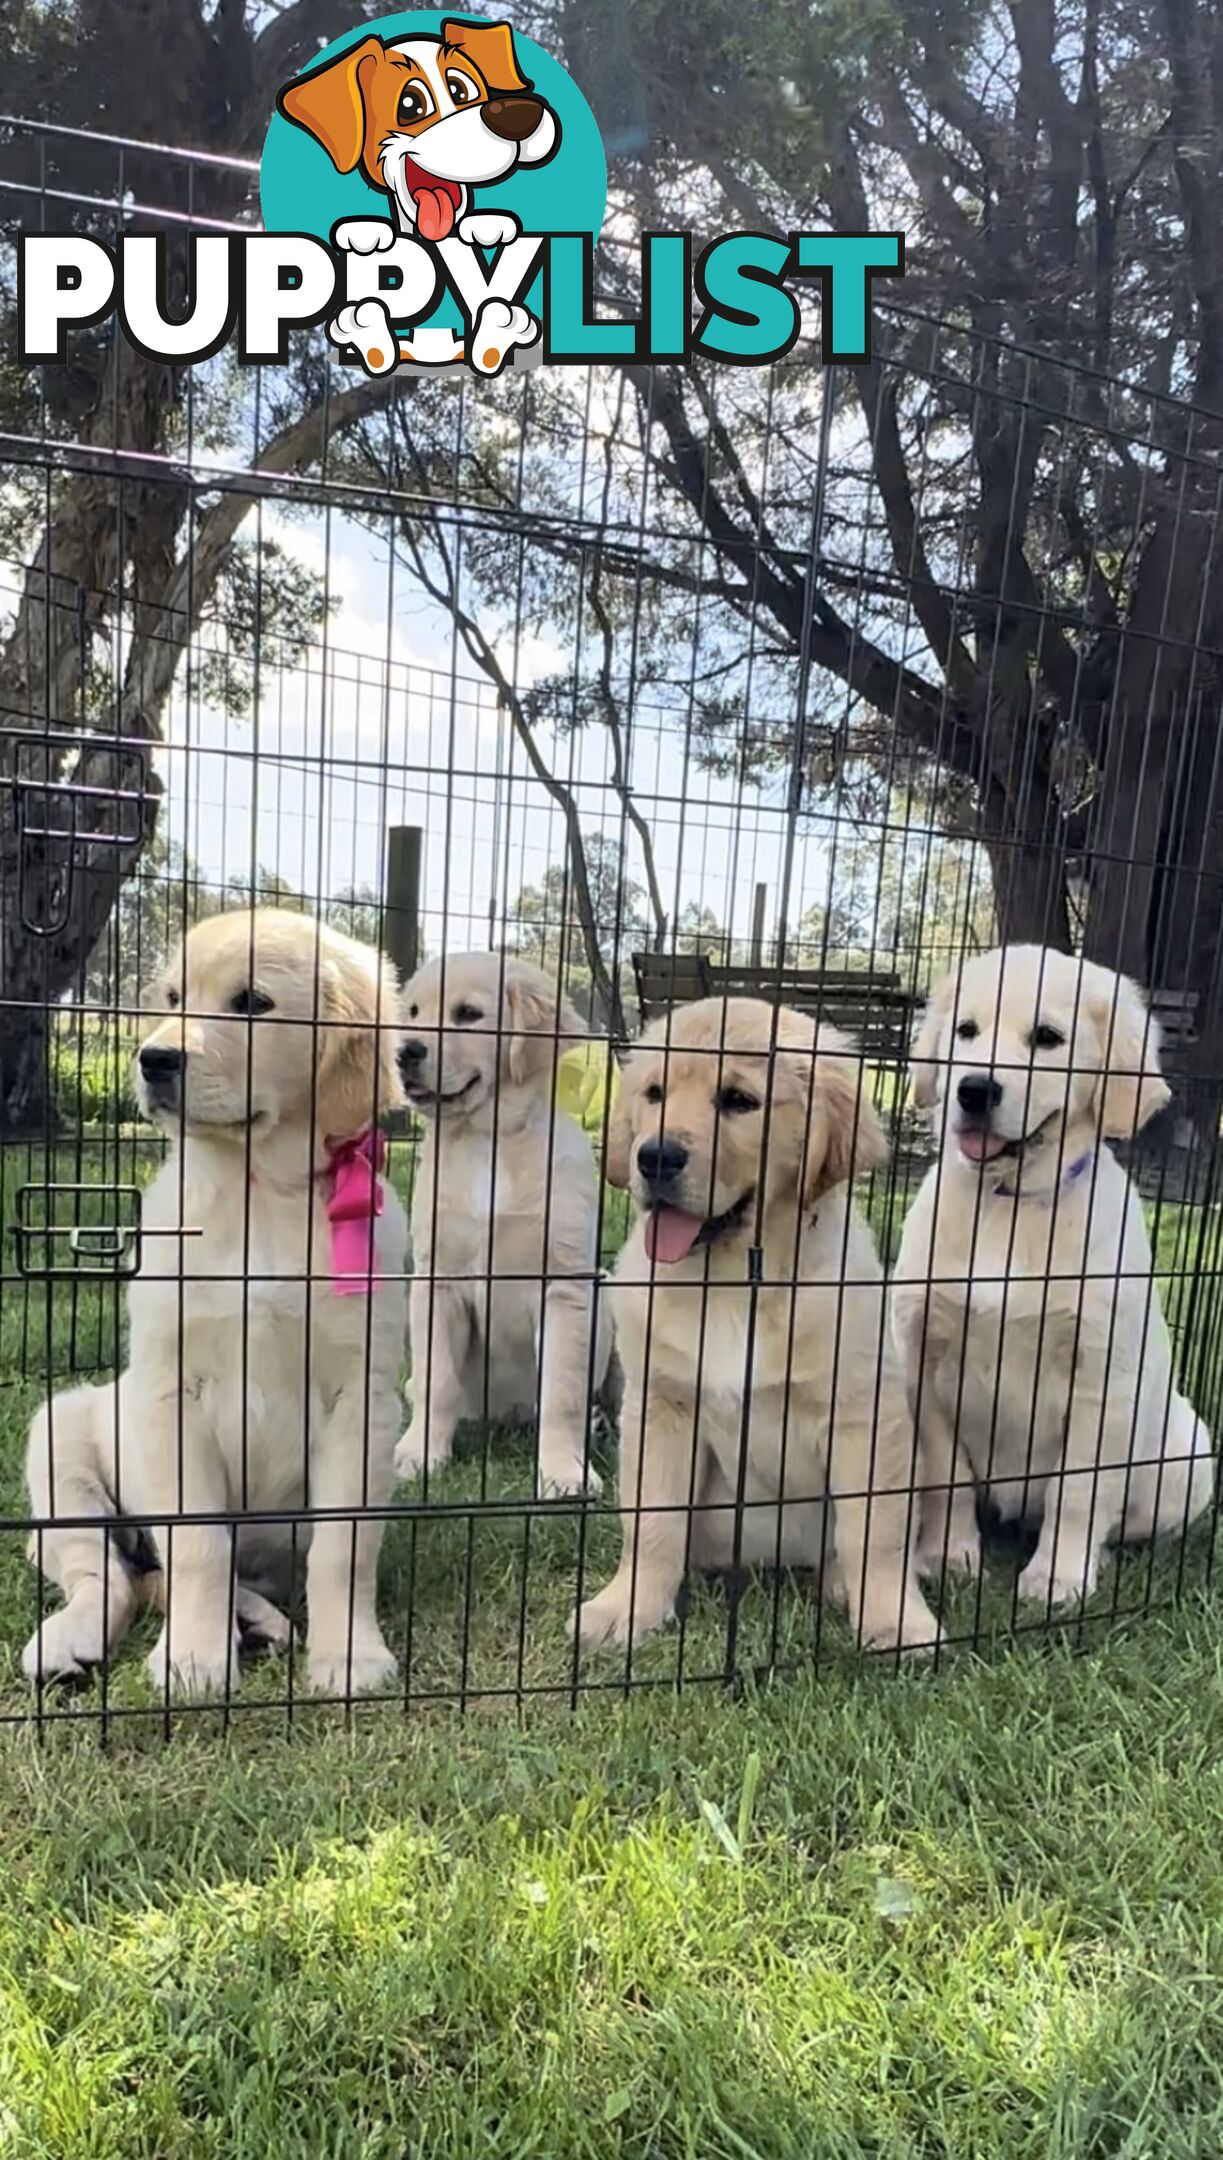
{"points": [[401, 916], [759, 906]]}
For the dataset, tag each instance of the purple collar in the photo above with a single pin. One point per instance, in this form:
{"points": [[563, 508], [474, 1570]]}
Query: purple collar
{"points": [[1002, 1191]]}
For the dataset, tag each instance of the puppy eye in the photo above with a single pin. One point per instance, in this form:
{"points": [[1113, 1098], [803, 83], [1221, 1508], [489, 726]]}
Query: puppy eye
{"points": [[652, 1093], [466, 1015], [735, 1102], [968, 1030], [1046, 1038], [250, 1004], [414, 104], [460, 89]]}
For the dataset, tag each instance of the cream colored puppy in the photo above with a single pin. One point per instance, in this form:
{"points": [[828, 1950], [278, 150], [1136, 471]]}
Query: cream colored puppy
{"points": [[747, 1125], [505, 1218], [263, 1360], [1023, 1305]]}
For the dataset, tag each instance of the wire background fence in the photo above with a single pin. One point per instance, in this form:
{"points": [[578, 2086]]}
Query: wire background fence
{"points": [[698, 628]]}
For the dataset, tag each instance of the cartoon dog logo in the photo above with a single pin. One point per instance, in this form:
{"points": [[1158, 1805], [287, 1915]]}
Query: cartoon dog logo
{"points": [[428, 119]]}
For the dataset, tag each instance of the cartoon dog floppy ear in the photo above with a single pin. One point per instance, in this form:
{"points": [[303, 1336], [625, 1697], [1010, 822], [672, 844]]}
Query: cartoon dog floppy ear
{"points": [[490, 46], [330, 103]]}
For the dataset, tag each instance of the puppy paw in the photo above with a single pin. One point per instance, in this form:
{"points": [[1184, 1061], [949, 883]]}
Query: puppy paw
{"points": [[417, 1446], [368, 1669], [366, 325], [364, 236], [499, 327], [194, 1671], [560, 1477], [263, 1625], [67, 1644], [961, 1556], [911, 1626], [618, 1617], [1065, 1580], [488, 228]]}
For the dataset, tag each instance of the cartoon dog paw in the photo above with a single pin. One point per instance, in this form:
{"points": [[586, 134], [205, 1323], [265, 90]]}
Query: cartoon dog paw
{"points": [[363, 235], [488, 228], [367, 325], [498, 328]]}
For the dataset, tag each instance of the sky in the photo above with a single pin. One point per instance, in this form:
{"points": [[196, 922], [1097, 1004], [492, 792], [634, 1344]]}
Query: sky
{"points": [[386, 723]]}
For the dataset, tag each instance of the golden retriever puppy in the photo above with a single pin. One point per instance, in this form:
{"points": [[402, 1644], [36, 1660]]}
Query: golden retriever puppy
{"points": [[264, 1342], [750, 1321], [505, 1217], [1023, 1306]]}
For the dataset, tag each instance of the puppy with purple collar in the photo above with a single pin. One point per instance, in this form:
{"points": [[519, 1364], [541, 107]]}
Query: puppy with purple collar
{"points": [[1024, 1310]]}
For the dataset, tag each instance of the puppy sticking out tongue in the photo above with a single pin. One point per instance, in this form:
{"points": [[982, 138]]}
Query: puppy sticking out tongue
{"points": [[981, 1146], [670, 1234]]}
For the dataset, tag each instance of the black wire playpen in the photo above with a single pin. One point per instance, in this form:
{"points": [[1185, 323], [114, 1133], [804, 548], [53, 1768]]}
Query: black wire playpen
{"points": [[751, 711]]}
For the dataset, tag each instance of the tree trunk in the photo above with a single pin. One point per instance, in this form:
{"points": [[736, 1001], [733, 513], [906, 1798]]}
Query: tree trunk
{"points": [[1029, 871], [41, 970], [1157, 829]]}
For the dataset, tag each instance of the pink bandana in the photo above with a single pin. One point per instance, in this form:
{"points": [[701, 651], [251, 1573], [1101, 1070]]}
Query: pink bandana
{"points": [[354, 1203]]}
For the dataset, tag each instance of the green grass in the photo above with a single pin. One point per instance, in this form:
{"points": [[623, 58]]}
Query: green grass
{"points": [[972, 1911]]}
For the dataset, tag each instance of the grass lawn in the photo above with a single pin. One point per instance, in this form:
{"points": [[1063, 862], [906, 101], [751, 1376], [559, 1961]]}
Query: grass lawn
{"points": [[974, 1910], [971, 1913]]}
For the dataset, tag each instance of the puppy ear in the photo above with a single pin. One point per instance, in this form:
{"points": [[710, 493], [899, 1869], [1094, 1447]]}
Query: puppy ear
{"points": [[358, 1074], [1132, 1088], [490, 46], [618, 1153], [539, 1020], [844, 1135], [924, 1058], [329, 104]]}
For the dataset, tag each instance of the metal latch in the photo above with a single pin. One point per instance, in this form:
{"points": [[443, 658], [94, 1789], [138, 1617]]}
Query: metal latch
{"points": [[49, 1249], [57, 820]]}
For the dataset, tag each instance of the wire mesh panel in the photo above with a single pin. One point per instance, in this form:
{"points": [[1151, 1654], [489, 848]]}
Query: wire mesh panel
{"points": [[506, 1316]]}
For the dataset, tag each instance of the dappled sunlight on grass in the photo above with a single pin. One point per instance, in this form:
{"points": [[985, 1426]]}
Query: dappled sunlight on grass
{"points": [[875, 1919]]}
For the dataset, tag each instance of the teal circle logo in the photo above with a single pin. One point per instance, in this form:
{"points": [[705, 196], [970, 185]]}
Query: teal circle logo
{"points": [[411, 142]]}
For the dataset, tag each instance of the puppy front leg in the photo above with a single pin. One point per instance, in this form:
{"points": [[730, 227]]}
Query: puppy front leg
{"points": [[183, 1474], [563, 1340], [656, 1480], [67, 1474], [350, 1467], [440, 1327], [873, 1527], [1086, 1501], [948, 1537]]}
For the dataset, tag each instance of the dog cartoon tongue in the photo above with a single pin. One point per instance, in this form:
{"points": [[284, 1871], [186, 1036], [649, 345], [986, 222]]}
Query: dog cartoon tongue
{"points": [[670, 1234], [980, 1146], [436, 201]]}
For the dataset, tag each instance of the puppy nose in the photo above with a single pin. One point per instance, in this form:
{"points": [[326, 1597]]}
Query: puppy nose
{"points": [[513, 118], [660, 1161], [411, 1053], [978, 1093], [159, 1064]]}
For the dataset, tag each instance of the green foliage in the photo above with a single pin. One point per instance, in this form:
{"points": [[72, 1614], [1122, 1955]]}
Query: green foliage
{"points": [[92, 1083]]}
